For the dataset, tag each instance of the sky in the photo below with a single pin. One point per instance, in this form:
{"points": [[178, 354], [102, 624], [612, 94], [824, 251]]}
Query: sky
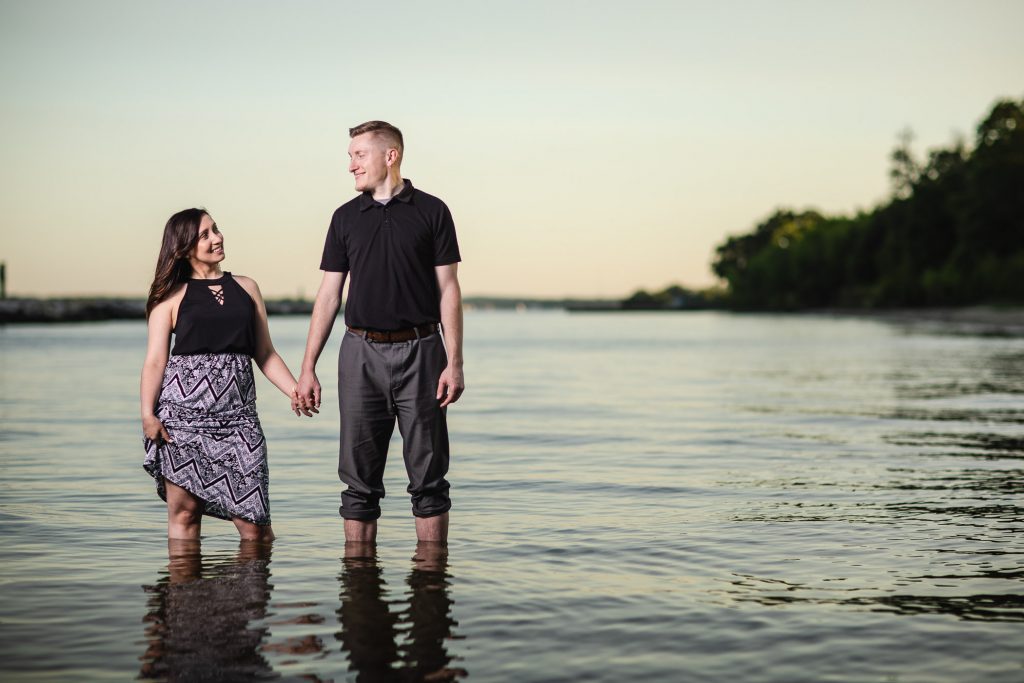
{"points": [[585, 149]]}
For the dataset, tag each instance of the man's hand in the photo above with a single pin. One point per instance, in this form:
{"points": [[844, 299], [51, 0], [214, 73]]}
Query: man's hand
{"points": [[308, 391], [451, 385], [299, 406]]}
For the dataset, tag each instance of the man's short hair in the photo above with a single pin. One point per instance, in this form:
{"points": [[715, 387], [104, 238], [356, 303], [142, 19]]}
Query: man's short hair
{"points": [[381, 129]]}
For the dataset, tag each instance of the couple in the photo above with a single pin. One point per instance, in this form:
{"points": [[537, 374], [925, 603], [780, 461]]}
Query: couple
{"points": [[204, 443]]}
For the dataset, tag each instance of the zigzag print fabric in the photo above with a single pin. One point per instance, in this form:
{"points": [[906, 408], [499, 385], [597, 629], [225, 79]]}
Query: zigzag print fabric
{"points": [[218, 454]]}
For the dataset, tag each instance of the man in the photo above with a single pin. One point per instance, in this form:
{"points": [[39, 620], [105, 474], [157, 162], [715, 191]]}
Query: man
{"points": [[399, 245]]}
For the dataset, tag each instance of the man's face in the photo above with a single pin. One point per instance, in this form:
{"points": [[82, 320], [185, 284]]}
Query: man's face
{"points": [[368, 161]]}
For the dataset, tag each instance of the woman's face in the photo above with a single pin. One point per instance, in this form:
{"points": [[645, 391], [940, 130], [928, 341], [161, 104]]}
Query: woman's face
{"points": [[209, 250]]}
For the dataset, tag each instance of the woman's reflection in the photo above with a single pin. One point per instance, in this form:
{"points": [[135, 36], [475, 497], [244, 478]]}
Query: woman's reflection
{"points": [[370, 629], [198, 620]]}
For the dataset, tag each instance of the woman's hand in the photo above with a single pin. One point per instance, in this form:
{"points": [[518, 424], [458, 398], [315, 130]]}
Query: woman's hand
{"points": [[155, 431], [298, 405]]}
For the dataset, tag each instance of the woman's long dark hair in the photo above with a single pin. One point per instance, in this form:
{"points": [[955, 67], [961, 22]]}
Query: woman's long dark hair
{"points": [[172, 266]]}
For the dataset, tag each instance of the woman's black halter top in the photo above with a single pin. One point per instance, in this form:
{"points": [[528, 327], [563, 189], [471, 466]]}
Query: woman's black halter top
{"points": [[215, 316]]}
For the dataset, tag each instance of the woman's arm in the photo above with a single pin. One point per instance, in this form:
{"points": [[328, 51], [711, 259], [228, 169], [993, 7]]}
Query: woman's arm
{"points": [[267, 358], [157, 350]]}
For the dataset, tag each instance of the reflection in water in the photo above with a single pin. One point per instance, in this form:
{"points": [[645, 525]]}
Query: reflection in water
{"points": [[429, 615], [966, 416], [981, 607], [947, 495], [999, 373], [367, 626], [992, 446], [974, 506], [198, 620], [406, 645]]}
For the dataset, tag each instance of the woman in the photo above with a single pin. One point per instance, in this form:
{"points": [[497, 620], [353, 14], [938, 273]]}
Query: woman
{"points": [[204, 443]]}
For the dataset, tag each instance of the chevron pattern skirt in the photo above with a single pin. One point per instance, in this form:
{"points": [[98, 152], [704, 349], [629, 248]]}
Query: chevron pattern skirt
{"points": [[218, 453]]}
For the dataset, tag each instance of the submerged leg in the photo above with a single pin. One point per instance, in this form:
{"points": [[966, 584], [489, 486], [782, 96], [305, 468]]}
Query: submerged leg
{"points": [[184, 560]]}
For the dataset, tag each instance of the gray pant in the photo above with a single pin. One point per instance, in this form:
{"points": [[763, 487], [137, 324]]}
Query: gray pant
{"points": [[377, 383]]}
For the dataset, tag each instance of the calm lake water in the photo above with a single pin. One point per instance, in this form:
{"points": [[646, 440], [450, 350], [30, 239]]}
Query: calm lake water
{"points": [[677, 497]]}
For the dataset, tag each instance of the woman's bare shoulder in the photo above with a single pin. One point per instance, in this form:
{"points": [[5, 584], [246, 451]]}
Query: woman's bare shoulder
{"points": [[172, 300], [168, 308], [248, 284]]}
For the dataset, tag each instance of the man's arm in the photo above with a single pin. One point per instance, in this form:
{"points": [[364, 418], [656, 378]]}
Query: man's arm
{"points": [[325, 310], [452, 382]]}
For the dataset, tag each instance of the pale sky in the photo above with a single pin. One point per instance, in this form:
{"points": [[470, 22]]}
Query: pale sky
{"points": [[584, 148]]}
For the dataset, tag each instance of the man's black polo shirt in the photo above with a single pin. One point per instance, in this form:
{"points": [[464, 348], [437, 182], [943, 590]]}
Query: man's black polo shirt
{"points": [[390, 252]]}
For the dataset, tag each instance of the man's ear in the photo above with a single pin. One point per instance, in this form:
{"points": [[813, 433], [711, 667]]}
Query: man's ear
{"points": [[392, 157]]}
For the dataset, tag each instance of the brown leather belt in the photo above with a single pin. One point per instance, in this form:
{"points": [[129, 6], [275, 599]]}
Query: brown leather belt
{"points": [[390, 336]]}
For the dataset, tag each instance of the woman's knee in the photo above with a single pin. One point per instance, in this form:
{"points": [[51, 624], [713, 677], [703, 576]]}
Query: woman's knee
{"points": [[182, 506], [185, 515]]}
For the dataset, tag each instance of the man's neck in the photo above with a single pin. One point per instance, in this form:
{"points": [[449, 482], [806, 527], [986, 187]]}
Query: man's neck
{"points": [[391, 186]]}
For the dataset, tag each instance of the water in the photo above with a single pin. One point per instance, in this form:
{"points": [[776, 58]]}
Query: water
{"points": [[693, 497]]}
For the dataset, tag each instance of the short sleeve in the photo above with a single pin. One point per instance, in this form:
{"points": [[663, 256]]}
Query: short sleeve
{"points": [[446, 244], [335, 257]]}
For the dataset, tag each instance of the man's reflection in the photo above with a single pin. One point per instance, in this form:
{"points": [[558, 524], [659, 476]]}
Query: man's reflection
{"points": [[198, 620], [370, 629], [367, 625], [429, 615]]}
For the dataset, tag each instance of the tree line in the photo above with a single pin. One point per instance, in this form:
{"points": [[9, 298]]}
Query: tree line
{"points": [[951, 233]]}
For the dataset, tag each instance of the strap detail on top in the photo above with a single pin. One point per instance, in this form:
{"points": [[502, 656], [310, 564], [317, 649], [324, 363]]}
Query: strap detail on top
{"points": [[218, 293]]}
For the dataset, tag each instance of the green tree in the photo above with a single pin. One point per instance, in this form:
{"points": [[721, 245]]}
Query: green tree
{"points": [[952, 233], [905, 169]]}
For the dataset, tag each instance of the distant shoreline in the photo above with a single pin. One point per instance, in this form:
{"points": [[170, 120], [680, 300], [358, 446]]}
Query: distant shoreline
{"points": [[96, 309], [991, 320]]}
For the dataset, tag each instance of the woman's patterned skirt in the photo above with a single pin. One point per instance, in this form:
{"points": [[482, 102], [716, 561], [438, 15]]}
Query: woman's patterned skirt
{"points": [[218, 453]]}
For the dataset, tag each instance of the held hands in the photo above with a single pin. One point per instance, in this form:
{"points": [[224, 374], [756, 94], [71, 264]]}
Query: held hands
{"points": [[154, 430], [307, 393], [300, 407], [451, 385]]}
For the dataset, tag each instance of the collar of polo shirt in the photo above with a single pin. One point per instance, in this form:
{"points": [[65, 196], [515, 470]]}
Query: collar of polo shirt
{"points": [[366, 199]]}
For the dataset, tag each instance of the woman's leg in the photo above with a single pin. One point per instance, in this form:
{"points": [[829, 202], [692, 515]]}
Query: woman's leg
{"points": [[253, 532], [184, 560], [184, 513]]}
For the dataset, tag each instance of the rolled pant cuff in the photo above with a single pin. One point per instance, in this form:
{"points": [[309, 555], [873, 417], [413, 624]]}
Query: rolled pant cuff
{"points": [[359, 515], [431, 512]]}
